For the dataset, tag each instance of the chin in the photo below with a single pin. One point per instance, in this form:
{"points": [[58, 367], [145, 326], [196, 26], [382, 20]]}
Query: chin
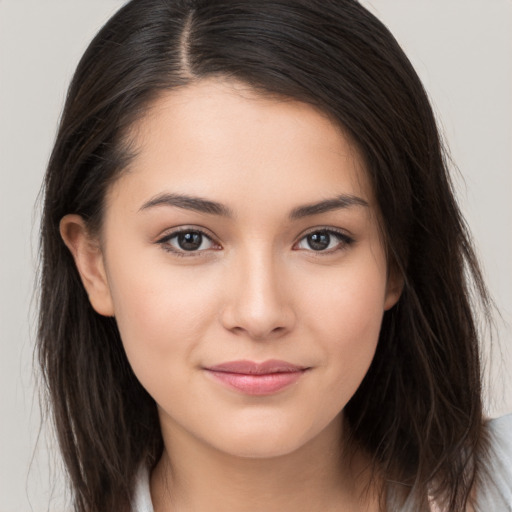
{"points": [[258, 448], [263, 442]]}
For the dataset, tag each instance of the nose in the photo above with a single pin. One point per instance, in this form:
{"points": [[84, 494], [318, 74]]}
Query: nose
{"points": [[258, 304]]}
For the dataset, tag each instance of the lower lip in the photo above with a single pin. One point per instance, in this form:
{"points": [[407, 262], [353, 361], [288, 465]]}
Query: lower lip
{"points": [[264, 384]]}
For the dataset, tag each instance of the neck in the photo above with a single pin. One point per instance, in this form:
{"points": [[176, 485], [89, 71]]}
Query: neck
{"points": [[192, 476]]}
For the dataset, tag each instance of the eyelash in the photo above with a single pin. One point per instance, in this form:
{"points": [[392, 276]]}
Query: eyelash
{"points": [[343, 239], [165, 242]]}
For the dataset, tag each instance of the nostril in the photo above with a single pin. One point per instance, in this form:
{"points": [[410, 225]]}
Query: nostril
{"points": [[255, 303], [258, 334]]}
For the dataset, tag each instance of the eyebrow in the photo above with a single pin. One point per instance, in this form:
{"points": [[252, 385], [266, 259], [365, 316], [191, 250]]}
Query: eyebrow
{"points": [[339, 202], [186, 202], [201, 205]]}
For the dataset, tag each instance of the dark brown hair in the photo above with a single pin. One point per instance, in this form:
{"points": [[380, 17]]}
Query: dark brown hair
{"points": [[418, 411]]}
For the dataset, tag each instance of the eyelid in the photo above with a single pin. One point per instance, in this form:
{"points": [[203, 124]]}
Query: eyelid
{"points": [[173, 232], [345, 238]]}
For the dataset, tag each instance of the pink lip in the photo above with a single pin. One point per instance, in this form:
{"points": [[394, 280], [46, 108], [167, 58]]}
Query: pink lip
{"points": [[257, 378]]}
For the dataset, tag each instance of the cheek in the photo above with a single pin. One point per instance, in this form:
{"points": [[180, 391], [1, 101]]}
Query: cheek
{"points": [[345, 314], [347, 302], [161, 315]]}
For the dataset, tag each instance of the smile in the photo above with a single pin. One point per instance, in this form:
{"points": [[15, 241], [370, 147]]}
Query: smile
{"points": [[257, 378]]}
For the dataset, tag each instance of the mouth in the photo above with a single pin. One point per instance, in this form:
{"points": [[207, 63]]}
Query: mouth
{"points": [[259, 379]]}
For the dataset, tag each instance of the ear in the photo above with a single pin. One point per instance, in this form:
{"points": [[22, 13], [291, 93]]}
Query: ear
{"points": [[88, 258], [394, 288]]}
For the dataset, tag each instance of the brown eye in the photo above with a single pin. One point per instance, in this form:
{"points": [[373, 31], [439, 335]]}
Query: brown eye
{"points": [[319, 241], [325, 240], [187, 241], [190, 241]]}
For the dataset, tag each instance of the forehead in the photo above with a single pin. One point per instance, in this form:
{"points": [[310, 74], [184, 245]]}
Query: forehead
{"points": [[221, 138]]}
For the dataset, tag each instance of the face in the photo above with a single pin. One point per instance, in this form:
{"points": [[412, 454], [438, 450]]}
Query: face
{"points": [[242, 259]]}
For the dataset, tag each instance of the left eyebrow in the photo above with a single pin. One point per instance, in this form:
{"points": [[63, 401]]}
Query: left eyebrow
{"points": [[340, 202]]}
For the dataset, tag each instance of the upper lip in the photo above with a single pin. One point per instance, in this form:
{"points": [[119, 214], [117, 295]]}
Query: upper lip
{"points": [[254, 368]]}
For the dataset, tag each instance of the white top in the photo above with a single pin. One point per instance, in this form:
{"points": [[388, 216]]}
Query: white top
{"points": [[142, 497], [497, 492], [495, 496]]}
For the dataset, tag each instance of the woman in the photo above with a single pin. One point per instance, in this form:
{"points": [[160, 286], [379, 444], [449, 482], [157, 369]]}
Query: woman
{"points": [[256, 281]]}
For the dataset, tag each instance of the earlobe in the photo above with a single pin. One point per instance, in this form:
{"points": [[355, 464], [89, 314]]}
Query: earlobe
{"points": [[394, 289], [89, 261]]}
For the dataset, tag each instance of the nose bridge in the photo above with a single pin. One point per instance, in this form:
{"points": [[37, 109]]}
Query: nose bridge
{"points": [[258, 304]]}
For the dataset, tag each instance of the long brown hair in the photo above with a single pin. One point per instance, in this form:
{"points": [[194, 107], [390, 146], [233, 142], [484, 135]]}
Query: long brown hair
{"points": [[418, 412]]}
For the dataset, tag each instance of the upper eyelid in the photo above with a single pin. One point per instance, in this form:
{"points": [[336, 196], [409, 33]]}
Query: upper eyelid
{"points": [[328, 229], [172, 232]]}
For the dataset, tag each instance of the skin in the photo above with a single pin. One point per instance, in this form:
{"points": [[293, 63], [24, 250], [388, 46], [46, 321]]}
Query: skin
{"points": [[255, 290]]}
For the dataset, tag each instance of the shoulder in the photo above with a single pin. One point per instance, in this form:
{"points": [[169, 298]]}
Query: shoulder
{"points": [[500, 430], [495, 492], [141, 501]]}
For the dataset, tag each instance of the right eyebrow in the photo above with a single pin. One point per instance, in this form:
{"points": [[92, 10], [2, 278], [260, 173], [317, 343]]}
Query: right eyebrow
{"points": [[187, 202]]}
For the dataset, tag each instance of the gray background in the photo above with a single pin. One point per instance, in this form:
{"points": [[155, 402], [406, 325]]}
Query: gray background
{"points": [[462, 50]]}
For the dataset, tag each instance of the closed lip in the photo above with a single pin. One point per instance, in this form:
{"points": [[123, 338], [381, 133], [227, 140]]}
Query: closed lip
{"points": [[257, 379], [246, 367]]}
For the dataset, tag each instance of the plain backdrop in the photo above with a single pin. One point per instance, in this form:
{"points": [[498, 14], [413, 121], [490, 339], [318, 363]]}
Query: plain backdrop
{"points": [[462, 49]]}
